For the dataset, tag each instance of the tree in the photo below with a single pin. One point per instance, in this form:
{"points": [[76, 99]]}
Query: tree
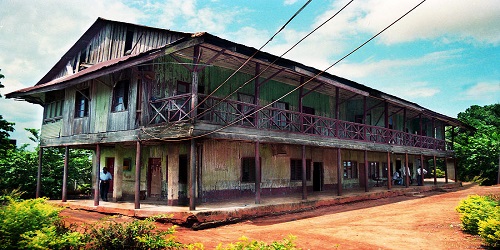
{"points": [[20, 167], [5, 128], [478, 151]]}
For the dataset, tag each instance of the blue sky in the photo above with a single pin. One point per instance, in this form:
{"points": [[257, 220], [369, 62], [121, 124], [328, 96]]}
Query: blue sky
{"points": [[444, 56]]}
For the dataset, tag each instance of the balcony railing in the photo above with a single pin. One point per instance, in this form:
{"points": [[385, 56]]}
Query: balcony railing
{"points": [[224, 112]]}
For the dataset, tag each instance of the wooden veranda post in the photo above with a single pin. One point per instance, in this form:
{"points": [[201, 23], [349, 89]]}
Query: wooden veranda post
{"points": [[192, 176], [194, 113], [97, 178], [339, 173], [39, 174], [304, 168], [65, 175], [435, 174], [407, 171], [389, 173], [446, 170], [257, 172], [137, 193], [366, 170], [422, 168]]}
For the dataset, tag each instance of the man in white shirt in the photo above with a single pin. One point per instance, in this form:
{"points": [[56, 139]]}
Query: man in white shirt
{"points": [[105, 178], [420, 178]]}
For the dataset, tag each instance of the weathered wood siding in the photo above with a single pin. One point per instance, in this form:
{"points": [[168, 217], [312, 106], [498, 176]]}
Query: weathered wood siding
{"points": [[222, 162], [51, 130], [109, 43], [101, 99]]}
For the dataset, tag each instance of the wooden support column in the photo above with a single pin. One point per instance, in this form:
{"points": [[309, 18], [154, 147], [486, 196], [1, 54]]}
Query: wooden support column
{"points": [[366, 170], [452, 138], [301, 110], [446, 170], [304, 181], [257, 172], [97, 170], [405, 128], [39, 174], [365, 134], [455, 167], [65, 174], [339, 172], [422, 168], [137, 193], [407, 171], [194, 84], [257, 93], [435, 175], [389, 171], [192, 176], [337, 111]]}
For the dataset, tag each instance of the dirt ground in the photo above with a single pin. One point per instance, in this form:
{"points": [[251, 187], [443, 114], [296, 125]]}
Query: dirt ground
{"points": [[423, 221]]}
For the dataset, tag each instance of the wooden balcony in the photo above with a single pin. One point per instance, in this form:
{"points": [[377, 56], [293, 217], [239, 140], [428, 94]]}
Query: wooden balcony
{"points": [[235, 113]]}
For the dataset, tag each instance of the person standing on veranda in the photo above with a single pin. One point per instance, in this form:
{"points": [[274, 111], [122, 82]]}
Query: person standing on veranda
{"points": [[105, 178], [420, 176]]}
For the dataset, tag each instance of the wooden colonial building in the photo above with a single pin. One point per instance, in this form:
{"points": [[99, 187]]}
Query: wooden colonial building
{"points": [[191, 117]]}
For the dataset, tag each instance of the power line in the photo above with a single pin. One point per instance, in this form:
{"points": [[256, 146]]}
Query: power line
{"points": [[237, 70], [302, 84], [275, 60]]}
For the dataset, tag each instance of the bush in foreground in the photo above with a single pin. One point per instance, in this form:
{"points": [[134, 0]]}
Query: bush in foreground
{"points": [[34, 224], [247, 244], [481, 215]]}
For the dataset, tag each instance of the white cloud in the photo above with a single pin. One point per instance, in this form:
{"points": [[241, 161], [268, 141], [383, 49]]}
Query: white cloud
{"points": [[290, 2], [488, 92], [456, 20], [387, 66]]}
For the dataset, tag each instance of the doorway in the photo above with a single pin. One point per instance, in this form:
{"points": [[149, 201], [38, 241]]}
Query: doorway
{"points": [[318, 176], [154, 177], [183, 179], [110, 165]]}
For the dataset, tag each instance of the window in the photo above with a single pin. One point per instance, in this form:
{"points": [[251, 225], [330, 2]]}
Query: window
{"points": [[350, 170], [246, 110], [82, 103], [296, 169], [280, 116], [248, 169], [183, 88], [373, 170], [53, 109], [120, 96], [308, 120], [128, 42], [127, 164]]}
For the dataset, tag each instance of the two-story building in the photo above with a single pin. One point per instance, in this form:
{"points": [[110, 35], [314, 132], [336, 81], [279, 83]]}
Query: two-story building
{"points": [[191, 117]]}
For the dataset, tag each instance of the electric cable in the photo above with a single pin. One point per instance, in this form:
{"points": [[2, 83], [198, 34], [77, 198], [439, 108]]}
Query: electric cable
{"points": [[296, 88]]}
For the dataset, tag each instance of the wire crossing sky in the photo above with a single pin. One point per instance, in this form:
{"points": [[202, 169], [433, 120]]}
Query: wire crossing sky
{"points": [[443, 56]]}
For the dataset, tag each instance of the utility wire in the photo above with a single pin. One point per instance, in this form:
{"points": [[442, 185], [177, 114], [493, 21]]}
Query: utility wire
{"points": [[255, 53], [237, 70], [275, 60], [299, 86]]}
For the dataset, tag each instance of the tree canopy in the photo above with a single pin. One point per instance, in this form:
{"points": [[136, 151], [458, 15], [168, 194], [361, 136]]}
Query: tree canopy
{"points": [[478, 151], [5, 128]]}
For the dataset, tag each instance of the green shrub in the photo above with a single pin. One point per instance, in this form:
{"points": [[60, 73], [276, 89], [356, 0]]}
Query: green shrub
{"points": [[439, 173], [473, 210], [247, 244], [138, 234], [22, 217], [53, 237], [489, 229]]}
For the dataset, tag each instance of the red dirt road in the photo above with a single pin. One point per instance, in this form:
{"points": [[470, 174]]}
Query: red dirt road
{"points": [[423, 221]]}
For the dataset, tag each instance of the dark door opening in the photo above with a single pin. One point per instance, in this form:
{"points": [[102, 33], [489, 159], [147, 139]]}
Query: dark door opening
{"points": [[318, 176], [110, 165], [154, 177], [183, 179]]}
